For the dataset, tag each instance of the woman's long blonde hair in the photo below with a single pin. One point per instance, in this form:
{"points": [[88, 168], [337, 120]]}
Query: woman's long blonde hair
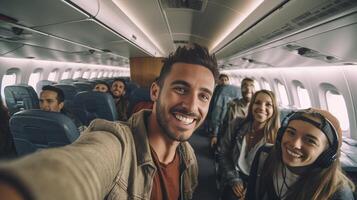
{"points": [[272, 125]]}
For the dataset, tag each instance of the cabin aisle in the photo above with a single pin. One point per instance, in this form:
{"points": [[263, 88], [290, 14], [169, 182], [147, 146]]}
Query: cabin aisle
{"points": [[206, 178]]}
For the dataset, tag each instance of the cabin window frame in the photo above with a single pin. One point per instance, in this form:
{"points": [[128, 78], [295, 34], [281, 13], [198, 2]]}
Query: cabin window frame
{"points": [[301, 93], [340, 113], [67, 72], [84, 75], [265, 84], [5, 81], [55, 76], [93, 74], [283, 99], [77, 74], [36, 71]]}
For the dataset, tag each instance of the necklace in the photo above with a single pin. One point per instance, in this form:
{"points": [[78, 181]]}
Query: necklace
{"points": [[283, 184]]}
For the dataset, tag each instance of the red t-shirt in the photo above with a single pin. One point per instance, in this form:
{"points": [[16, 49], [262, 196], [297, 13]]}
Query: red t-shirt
{"points": [[166, 183]]}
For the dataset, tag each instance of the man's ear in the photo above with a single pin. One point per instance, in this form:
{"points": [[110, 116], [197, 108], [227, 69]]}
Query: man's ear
{"points": [[154, 91], [61, 105]]}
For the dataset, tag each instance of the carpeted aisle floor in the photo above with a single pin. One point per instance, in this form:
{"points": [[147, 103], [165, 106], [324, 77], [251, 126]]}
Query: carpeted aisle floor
{"points": [[206, 189]]}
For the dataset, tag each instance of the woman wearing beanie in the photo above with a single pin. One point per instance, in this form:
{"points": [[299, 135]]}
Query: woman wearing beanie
{"points": [[304, 162]]}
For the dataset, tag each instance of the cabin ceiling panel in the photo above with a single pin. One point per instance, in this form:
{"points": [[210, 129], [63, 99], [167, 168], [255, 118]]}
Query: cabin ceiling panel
{"points": [[125, 49], [6, 47], [92, 34], [289, 19], [47, 54], [340, 43], [151, 20], [34, 13], [40, 53]]}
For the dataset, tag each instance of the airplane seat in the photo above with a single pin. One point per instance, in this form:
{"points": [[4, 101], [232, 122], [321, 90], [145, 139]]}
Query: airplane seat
{"points": [[42, 83], [67, 81], [109, 82], [92, 105], [69, 92], [284, 112], [37, 129], [20, 97], [82, 86], [348, 155], [137, 96], [130, 86]]}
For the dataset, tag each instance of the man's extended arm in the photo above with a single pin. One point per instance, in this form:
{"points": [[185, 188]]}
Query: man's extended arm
{"points": [[83, 170]]}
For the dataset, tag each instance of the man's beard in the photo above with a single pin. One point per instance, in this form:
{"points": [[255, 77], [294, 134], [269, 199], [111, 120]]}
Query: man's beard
{"points": [[164, 125]]}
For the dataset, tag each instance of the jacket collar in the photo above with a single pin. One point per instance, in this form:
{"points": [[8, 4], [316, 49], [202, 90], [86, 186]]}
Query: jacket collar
{"points": [[137, 123]]}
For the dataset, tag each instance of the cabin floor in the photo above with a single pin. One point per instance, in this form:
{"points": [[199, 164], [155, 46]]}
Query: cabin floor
{"points": [[206, 176]]}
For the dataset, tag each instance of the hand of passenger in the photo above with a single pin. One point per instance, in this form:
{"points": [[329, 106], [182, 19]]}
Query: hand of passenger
{"points": [[239, 190], [213, 141]]}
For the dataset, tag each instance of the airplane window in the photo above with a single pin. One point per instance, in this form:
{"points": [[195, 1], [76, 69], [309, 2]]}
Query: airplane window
{"points": [[8, 79], [105, 74], [337, 106], [65, 75], [52, 75], [283, 94], [93, 74], [86, 74], [34, 78], [257, 85], [111, 74], [266, 85], [100, 74], [304, 97], [77, 74]]}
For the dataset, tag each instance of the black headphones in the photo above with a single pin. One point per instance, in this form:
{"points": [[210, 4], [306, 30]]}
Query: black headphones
{"points": [[329, 155]]}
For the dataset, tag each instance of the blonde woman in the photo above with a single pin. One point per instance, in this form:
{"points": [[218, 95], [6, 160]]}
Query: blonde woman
{"points": [[238, 148]]}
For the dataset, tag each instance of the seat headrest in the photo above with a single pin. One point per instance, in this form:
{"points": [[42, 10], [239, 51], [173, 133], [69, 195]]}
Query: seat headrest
{"points": [[20, 97], [96, 105], [36, 129]]}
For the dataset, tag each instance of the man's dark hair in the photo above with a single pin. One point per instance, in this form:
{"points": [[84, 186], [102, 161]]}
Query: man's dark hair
{"points": [[60, 94], [192, 54], [223, 75], [121, 80], [103, 83], [247, 79]]}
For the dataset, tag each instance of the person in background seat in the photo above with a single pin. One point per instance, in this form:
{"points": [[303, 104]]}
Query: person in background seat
{"points": [[52, 100], [7, 148], [213, 123], [304, 162], [236, 108], [121, 103], [101, 86]]}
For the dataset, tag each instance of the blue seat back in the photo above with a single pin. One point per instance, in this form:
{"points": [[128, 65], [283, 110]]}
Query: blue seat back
{"points": [[38, 129], [69, 92], [20, 97], [130, 86], [285, 112], [82, 86], [42, 83], [138, 95], [67, 81], [92, 105]]}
